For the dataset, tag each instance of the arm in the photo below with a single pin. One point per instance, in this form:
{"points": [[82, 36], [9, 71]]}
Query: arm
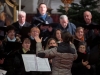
{"points": [[50, 53], [73, 27], [72, 46]]}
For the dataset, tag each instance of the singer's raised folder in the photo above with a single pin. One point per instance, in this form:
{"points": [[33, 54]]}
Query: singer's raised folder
{"points": [[33, 63]]}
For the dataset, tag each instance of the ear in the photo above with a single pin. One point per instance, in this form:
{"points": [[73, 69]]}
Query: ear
{"points": [[91, 16]]}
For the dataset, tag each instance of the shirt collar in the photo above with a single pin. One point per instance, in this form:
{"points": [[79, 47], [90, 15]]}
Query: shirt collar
{"points": [[43, 16], [21, 24], [32, 37], [13, 40], [24, 51]]}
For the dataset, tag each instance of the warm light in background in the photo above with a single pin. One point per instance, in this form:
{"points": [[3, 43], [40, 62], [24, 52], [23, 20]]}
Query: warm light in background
{"points": [[66, 3]]}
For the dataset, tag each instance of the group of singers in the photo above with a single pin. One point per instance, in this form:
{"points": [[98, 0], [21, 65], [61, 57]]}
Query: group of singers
{"points": [[70, 50]]}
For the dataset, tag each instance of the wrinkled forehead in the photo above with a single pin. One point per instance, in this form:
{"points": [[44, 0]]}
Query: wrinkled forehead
{"points": [[87, 13]]}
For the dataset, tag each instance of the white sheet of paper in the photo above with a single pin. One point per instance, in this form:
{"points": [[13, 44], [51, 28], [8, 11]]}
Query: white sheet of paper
{"points": [[43, 64], [29, 62], [33, 63], [3, 72]]}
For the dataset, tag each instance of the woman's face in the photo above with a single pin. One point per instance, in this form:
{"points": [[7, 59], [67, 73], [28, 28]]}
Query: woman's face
{"points": [[58, 35], [52, 43], [34, 32], [26, 45], [79, 34], [82, 49]]}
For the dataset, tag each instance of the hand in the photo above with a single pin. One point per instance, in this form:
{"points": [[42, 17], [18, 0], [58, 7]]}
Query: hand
{"points": [[37, 39], [70, 42], [18, 35], [85, 63], [88, 66]]}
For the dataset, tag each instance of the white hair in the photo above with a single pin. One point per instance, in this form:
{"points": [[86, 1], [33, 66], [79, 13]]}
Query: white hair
{"points": [[63, 17], [22, 13]]}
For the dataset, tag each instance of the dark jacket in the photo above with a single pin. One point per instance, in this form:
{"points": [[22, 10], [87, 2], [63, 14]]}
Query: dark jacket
{"points": [[14, 64], [2, 32], [37, 21], [62, 57], [90, 34], [18, 28], [2, 23], [20, 69], [79, 69], [40, 20], [70, 28]]}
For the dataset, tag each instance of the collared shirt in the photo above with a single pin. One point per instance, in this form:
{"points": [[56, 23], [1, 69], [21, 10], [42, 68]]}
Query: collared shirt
{"points": [[43, 17], [70, 28], [32, 37], [21, 24], [11, 40], [24, 51]]}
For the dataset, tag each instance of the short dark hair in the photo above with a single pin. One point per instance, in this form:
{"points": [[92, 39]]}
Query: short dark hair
{"points": [[67, 37], [41, 4], [26, 38], [10, 27], [82, 43]]}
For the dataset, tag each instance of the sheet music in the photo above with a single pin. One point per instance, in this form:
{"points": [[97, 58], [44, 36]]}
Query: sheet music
{"points": [[33, 63], [29, 62], [3, 72], [43, 64]]}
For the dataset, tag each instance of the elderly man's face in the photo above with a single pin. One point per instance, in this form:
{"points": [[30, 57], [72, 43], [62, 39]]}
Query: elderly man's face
{"points": [[87, 17], [64, 22], [21, 18]]}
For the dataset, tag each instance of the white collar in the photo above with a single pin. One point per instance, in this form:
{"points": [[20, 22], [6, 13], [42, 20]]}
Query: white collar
{"points": [[21, 24], [13, 40]]}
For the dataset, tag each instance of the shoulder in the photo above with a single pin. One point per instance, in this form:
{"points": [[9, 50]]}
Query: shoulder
{"points": [[93, 23], [15, 23], [1, 23], [49, 17], [36, 16], [72, 25], [66, 48], [27, 23]]}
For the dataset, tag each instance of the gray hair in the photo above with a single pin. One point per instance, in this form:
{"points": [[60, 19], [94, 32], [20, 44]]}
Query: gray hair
{"points": [[22, 13], [63, 16]]}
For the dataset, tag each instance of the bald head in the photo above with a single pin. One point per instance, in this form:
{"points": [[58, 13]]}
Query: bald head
{"points": [[87, 17]]}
